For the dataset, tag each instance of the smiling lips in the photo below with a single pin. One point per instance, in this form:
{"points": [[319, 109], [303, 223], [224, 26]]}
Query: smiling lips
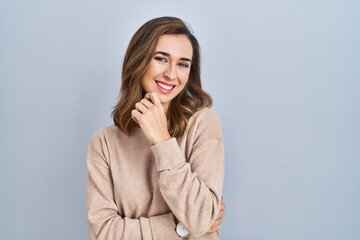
{"points": [[164, 87]]}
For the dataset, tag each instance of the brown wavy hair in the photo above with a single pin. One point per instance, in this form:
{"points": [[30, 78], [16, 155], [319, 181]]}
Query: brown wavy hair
{"points": [[138, 55]]}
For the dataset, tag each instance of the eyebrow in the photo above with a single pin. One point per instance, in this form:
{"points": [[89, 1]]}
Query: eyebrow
{"points": [[168, 55]]}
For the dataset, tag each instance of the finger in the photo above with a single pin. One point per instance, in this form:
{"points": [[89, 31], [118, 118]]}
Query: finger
{"points": [[220, 214], [146, 102], [148, 97], [135, 115], [153, 97], [222, 206], [214, 228], [217, 223], [140, 107]]}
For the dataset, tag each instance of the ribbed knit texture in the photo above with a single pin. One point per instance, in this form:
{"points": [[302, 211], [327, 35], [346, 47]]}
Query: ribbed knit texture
{"points": [[138, 191]]}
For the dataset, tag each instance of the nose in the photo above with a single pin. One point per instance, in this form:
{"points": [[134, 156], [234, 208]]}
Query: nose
{"points": [[170, 72]]}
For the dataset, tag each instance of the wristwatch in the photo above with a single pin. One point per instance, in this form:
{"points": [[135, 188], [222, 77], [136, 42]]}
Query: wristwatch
{"points": [[181, 231]]}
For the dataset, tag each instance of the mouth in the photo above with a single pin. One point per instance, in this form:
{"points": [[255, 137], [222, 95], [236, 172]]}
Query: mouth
{"points": [[165, 87]]}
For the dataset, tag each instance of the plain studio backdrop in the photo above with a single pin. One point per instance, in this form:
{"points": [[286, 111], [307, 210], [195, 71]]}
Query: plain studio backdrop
{"points": [[285, 78]]}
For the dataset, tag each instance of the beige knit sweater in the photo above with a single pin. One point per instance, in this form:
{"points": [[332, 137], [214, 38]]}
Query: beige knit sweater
{"points": [[138, 191]]}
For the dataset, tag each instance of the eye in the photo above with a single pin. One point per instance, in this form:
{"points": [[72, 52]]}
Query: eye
{"points": [[184, 65], [160, 59]]}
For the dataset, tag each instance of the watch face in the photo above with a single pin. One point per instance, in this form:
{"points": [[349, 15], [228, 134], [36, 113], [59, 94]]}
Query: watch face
{"points": [[181, 230]]}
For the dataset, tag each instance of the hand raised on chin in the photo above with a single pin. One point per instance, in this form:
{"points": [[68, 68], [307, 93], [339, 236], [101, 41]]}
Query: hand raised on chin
{"points": [[150, 115]]}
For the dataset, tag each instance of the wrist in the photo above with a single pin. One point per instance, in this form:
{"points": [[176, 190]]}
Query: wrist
{"points": [[160, 140]]}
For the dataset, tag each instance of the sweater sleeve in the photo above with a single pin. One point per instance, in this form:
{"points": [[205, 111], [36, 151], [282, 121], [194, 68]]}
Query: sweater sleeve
{"points": [[192, 187], [103, 219]]}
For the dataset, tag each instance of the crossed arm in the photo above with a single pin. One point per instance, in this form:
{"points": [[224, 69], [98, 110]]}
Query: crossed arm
{"points": [[201, 208]]}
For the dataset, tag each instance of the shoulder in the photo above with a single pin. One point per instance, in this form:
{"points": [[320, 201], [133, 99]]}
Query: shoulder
{"points": [[102, 143], [206, 123], [106, 132], [103, 137], [206, 115]]}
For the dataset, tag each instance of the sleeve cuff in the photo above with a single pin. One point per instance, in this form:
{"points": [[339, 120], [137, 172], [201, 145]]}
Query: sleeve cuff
{"points": [[167, 154], [163, 227]]}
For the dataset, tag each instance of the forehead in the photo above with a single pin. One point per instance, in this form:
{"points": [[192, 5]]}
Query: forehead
{"points": [[178, 46]]}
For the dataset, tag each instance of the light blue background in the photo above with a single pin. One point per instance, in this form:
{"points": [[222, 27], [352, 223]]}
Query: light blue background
{"points": [[284, 76]]}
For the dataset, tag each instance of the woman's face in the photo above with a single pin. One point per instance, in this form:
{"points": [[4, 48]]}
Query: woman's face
{"points": [[168, 70]]}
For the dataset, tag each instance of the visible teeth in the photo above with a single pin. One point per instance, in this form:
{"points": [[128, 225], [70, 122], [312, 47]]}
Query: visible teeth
{"points": [[165, 86]]}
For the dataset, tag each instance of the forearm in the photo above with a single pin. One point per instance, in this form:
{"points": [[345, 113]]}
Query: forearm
{"points": [[115, 227], [104, 221], [194, 204], [192, 188]]}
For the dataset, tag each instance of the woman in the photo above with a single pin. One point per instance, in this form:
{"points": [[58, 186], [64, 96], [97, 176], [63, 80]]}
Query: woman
{"points": [[157, 173]]}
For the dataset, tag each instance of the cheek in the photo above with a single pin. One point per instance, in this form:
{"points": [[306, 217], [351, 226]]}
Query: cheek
{"points": [[145, 82], [184, 77], [148, 76], [154, 69]]}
